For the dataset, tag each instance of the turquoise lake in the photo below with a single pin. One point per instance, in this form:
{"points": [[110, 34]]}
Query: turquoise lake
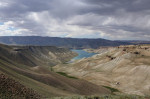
{"points": [[81, 54]]}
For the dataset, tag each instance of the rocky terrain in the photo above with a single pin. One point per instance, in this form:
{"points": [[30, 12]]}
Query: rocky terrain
{"points": [[126, 68], [11, 89], [26, 72]]}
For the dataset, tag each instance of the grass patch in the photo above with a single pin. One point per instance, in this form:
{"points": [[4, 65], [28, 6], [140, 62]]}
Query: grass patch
{"points": [[66, 75], [112, 89]]}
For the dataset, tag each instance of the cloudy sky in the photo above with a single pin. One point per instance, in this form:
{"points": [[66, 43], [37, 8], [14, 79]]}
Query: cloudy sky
{"points": [[109, 19]]}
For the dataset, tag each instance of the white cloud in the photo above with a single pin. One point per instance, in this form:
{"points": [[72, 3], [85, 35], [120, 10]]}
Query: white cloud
{"points": [[8, 29], [3, 4]]}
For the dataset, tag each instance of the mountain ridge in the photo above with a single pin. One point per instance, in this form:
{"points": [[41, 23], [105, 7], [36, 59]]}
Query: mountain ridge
{"points": [[77, 43]]}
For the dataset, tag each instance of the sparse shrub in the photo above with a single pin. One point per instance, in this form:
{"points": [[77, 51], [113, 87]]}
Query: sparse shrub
{"points": [[136, 52], [124, 49], [112, 89]]}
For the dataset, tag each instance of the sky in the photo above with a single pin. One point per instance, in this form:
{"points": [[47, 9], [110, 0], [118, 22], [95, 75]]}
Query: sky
{"points": [[108, 19]]}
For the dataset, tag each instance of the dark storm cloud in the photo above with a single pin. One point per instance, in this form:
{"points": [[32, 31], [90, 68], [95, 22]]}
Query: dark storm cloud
{"points": [[128, 5], [77, 18]]}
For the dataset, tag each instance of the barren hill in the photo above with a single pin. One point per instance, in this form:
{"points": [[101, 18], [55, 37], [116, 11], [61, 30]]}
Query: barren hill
{"points": [[126, 68]]}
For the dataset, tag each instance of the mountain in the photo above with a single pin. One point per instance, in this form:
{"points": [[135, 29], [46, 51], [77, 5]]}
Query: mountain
{"points": [[135, 41], [26, 73], [77, 43], [126, 68]]}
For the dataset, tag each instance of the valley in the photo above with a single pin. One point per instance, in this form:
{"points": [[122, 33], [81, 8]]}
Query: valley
{"points": [[31, 67], [74, 49], [115, 72]]}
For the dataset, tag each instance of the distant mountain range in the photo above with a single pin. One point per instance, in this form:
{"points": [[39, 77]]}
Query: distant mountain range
{"points": [[135, 41], [77, 43]]}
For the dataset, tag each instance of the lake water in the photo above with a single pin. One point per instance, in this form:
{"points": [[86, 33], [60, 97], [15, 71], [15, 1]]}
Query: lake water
{"points": [[81, 54]]}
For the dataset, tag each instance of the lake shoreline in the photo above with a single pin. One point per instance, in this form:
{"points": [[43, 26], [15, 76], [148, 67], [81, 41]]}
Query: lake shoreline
{"points": [[81, 54]]}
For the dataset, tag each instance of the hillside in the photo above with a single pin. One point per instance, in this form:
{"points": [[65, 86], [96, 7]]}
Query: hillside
{"points": [[78, 43], [126, 68], [36, 55], [11, 89], [20, 68]]}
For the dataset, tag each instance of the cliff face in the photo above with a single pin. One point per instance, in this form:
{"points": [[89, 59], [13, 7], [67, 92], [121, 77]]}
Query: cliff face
{"points": [[126, 68], [36, 55]]}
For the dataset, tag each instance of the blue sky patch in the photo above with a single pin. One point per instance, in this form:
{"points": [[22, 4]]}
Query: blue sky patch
{"points": [[11, 28], [1, 23]]}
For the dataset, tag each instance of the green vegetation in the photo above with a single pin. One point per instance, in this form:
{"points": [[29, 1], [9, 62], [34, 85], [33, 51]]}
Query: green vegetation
{"points": [[112, 89], [64, 63], [66, 75]]}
